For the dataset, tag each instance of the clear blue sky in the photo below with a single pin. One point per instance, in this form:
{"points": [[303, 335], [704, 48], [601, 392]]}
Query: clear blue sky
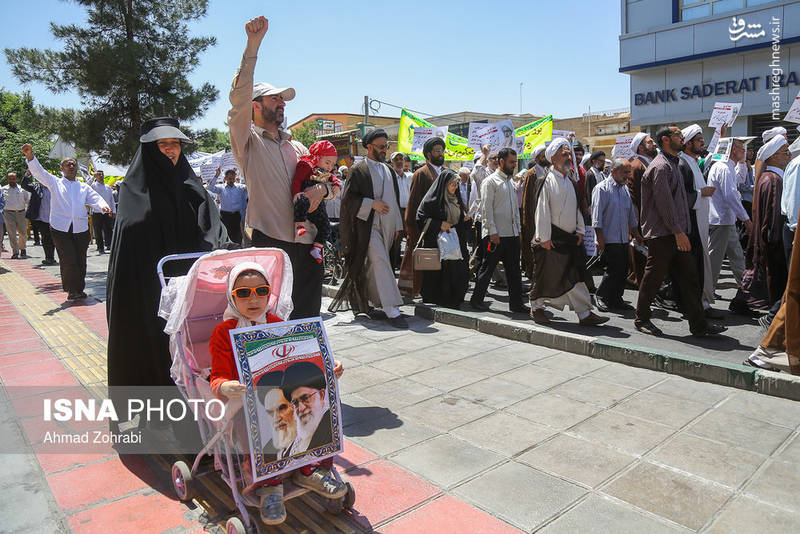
{"points": [[436, 57]]}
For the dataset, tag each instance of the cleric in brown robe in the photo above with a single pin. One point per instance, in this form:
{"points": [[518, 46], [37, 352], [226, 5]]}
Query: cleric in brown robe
{"points": [[764, 279], [644, 150], [539, 170], [410, 281]]}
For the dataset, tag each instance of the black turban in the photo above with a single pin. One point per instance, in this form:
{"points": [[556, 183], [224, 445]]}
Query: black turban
{"points": [[596, 154], [268, 382], [372, 135], [302, 374], [427, 148]]}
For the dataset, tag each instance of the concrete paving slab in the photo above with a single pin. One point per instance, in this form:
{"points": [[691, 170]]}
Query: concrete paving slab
{"points": [[577, 459], [445, 412], [632, 377], [671, 411], [740, 431], [388, 434], [629, 434], [363, 377], [593, 391], [448, 378], [598, 514], [405, 364], [491, 363], [503, 433], [777, 484], [572, 363], [685, 500], [398, 393], [529, 497], [494, 392], [791, 453], [683, 388], [718, 462], [445, 460], [744, 515], [782, 412], [536, 378], [553, 410]]}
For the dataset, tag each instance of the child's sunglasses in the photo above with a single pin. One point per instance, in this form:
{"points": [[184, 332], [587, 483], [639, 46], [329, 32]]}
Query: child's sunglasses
{"points": [[246, 292]]}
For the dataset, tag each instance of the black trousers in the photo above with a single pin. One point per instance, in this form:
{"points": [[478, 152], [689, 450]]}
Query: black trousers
{"points": [[307, 281], [508, 252], [47, 240], [394, 253], [37, 238], [615, 261], [102, 227], [233, 224], [71, 249], [663, 256]]}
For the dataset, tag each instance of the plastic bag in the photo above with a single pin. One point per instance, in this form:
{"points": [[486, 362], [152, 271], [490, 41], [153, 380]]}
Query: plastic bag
{"points": [[449, 247]]}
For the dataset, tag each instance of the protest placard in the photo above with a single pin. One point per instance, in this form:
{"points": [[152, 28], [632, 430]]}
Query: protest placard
{"points": [[724, 113], [207, 172], [423, 133], [622, 148], [793, 115], [228, 162], [291, 404], [557, 134], [497, 135], [723, 150], [473, 136]]}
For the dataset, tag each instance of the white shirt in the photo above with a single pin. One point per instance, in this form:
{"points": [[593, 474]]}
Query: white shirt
{"points": [[499, 206], [107, 193], [68, 199], [726, 204], [404, 185], [231, 197], [16, 198]]}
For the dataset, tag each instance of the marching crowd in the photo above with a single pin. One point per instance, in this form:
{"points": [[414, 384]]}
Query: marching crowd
{"points": [[661, 221]]}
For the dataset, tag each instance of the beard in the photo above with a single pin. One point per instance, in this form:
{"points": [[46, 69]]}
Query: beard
{"points": [[283, 437], [270, 115], [437, 160], [650, 153], [307, 422]]}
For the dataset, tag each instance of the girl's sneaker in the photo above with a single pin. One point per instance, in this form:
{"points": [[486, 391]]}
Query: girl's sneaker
{"points": [[316, 252], [271, 508]]}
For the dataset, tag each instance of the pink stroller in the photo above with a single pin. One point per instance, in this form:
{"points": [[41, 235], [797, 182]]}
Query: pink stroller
{"points": [[193, 305]]}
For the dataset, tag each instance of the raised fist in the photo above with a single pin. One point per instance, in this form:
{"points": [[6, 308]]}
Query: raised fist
{"points": [[256, 28], [27, 149]]}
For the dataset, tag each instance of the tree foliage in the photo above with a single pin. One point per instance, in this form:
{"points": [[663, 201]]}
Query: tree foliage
{"points": [[305, 133], [210, 140], [128, 62], [21, 121]]}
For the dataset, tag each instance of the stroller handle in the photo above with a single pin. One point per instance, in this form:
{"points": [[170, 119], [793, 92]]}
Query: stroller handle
{"points": [[175, 257]]}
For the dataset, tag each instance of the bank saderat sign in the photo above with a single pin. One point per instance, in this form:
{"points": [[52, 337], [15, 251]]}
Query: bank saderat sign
{"points": [[722, 88]]}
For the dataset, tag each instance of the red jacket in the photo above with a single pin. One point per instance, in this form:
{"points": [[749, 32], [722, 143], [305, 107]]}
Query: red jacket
{"points": [[223, 366]]}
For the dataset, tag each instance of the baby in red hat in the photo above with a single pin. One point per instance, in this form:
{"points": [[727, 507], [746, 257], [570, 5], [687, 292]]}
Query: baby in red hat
{"points": [[313, 169]]}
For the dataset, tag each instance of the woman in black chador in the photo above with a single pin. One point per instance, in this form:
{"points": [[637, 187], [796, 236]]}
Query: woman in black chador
{"points": [[163, 209], [442, 205]]}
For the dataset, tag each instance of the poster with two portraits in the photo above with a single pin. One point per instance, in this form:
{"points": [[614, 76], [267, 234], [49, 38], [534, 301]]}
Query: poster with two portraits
{"points": [[291, 405]]}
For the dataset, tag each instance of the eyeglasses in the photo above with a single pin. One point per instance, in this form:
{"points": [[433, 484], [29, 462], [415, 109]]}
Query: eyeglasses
{"points": [[382, 147], [305, 399], [247, 292]]}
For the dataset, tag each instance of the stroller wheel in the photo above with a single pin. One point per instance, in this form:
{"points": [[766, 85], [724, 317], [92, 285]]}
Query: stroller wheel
{"points": [[235, 526], [334, 506], [182, 480], [349, 499]]}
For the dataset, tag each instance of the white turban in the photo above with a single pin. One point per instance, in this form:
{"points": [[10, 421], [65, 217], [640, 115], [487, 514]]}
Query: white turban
{"points": [[773, 132], [464, 170], [538, 150], [772, 146], [585, 158], [637, 139], [690, 131], [554, 146]]}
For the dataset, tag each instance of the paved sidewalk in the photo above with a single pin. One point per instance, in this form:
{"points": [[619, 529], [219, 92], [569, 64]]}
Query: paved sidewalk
{"points": [[451, 430]]}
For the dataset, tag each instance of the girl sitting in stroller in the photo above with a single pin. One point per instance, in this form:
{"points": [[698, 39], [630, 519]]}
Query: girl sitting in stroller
{"points": [[248, 297]]}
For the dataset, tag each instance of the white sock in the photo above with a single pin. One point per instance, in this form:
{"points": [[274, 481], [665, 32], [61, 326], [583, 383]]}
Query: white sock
{"points": [[391, 311], [584, 314]]}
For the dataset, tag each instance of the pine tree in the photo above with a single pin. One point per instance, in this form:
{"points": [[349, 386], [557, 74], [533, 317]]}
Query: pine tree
{"points": [[129, 62]]}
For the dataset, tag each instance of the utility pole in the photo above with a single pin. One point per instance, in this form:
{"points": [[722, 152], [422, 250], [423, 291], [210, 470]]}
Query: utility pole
{"points": [[366, 110], [520, 98]]}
